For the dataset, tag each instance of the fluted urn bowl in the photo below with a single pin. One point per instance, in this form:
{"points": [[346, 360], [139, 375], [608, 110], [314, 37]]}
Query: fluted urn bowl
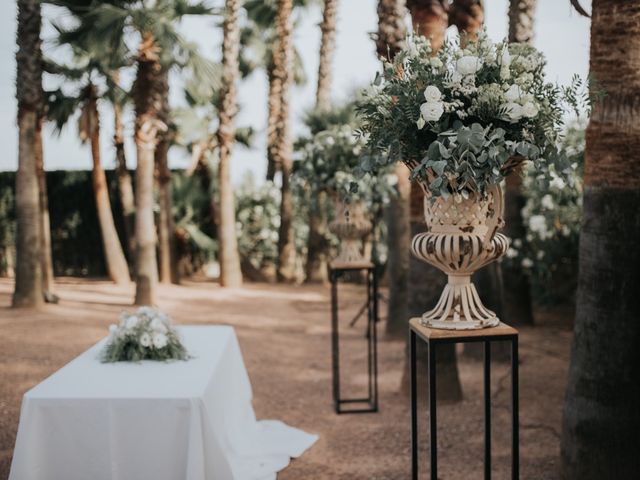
{"points": [[350, 226], [461, 238]]}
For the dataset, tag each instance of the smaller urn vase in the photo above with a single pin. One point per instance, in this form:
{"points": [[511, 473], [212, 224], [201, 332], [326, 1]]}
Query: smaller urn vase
{"points": [[351, 225], [461, 238]]}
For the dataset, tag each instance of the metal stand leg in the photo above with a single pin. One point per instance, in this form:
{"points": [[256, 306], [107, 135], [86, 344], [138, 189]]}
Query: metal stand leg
{"points": [[374, 328], [414, 408], [487, 410], [433, 425], [515, 447], [335, 352]]}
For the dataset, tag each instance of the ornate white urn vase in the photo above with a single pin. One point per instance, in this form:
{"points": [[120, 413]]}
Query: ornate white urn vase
{"points": [[461, 237], [350, 226]]}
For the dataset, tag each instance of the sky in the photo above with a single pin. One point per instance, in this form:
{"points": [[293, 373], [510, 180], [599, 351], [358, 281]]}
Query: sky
{"points": [[560, 33]]}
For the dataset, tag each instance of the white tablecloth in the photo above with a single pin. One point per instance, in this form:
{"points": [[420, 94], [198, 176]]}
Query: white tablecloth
{"points": [[188, 420]]}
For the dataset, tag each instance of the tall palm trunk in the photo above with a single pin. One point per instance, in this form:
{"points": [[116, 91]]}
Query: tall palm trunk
{"points": [[125, 187], [317, 244], [168, 270], [28, 283], [601, 425], [89, 124], [273, 105], [147, 95], [45, 226], [230, 273], [467, 16], [389, 41], [517, 295], [283, 56]]}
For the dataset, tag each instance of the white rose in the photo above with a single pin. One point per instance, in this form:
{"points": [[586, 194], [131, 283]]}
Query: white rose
{"points": [[557, 182], [537, 223], [432, 94], [527, 263], [145, 340], [456, 78], [530, 110], [159, 340], [513, 111], [158, 325], [131, 322], [468, 65], [432, 111], [513, 94], [512, 253], [547, 202]]}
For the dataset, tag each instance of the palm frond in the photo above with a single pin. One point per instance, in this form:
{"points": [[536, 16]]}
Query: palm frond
{"points": [[60, 108]]}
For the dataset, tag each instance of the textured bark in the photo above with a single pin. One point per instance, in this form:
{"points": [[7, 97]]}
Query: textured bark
{"points": [[317, 244], [28, 283], [521, 18], [601, 424], [230, 272], [283, 56], [392, 31], [327, 47], [45, 226], [147, 95], [115, 260], [273, 104], [167, 261], [125, 186], [467, 16], [517, 295]]}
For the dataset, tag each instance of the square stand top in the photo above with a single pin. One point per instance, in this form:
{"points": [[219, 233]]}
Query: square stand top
{"points": [[452, 336], [350, 265]]}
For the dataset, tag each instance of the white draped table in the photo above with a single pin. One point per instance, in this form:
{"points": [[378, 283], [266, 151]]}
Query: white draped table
{"points": [[180, 420]]}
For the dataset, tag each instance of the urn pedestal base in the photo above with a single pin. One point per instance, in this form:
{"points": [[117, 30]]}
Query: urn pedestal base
{"points": [[460, 308]]}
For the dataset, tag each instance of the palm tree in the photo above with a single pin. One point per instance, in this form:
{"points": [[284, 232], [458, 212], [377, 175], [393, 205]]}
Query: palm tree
{"points": [[601, 424], [167, 262], [389, 41], [230, 273], [467, 16], [28, 284], [517, 296], [317, 245], [282, 61]]}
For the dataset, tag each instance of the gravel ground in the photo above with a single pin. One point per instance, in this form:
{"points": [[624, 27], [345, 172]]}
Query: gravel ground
{"points": [[284, 336]]}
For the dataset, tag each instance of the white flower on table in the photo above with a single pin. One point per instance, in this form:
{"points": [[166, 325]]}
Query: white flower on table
{"points": [[160, 340], [157, 325], [145, 340], [113, 330], [529, 110], [432, 94], [468, 65], [431, 111], [131, 322]]}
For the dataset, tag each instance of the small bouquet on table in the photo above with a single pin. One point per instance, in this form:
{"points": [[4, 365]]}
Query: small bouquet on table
{"points": [[146, 334]]}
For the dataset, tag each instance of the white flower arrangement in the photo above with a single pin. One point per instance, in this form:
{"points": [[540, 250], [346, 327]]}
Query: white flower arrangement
{"points": [[464, 118], [146, 334]]}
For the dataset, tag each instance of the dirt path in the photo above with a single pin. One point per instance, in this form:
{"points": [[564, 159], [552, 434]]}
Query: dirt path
{"points": [[284, 336]]}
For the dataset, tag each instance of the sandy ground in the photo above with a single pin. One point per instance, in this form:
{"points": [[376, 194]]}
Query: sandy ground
{"points": [[284, 336]]}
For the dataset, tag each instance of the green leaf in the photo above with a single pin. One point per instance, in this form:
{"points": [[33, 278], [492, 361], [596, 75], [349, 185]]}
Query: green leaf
{"points": [[438, 167]]}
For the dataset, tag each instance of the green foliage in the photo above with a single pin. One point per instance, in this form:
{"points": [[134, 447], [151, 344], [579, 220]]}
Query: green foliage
{"points": [[465, 117], [146, 334], [552, 219]]}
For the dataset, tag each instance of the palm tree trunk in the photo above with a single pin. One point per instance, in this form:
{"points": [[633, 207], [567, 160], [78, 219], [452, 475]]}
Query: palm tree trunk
{"points": [[45, 226], [147, 98], [115, 260], [168, 266], [601, 424], [283, 56], [230, 272], [28, 283], [273, 101], [468, 17], [125, 187], [317, 244], [517, 295]]}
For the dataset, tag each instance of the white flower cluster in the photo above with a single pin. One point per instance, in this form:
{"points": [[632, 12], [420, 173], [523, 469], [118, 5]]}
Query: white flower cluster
{"points": [[147, 326], [511, 89]]}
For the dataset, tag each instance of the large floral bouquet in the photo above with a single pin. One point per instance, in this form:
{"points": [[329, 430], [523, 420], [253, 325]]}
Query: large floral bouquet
{"points": [[146, 334], [462, 119]]}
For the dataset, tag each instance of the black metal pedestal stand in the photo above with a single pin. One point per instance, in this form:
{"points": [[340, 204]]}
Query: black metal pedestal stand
{"points": [[433, 338], [369, 403]]}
